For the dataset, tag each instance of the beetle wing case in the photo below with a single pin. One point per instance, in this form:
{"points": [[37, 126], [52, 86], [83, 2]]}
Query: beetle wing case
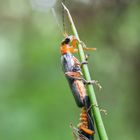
{"points": [[67, 62]]}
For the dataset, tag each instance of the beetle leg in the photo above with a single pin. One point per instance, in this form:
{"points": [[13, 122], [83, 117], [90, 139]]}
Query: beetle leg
{"points": [[85, 47], [104, 111], [76, 61], [97, 84], [72, 49], [86, 56], [101, 109], [88, 82], [92, 82], [85, 61], [77, 76]]}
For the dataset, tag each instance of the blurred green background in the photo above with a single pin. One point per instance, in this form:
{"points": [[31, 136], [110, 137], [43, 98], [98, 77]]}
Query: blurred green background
{"points": [[35, 99]]}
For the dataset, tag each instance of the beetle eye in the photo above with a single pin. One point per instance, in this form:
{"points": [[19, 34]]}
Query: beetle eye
{"points": [[67, 40]]}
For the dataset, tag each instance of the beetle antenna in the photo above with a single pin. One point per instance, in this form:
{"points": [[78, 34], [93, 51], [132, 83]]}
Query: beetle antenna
{"points": [[63, 17], [57, 22]]}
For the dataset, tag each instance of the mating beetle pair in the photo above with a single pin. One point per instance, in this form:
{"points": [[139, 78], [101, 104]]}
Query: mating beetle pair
{"points": [[72, 70]]}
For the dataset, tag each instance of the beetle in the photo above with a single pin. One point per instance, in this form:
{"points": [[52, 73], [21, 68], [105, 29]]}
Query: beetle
{"points": [[72, 70]]}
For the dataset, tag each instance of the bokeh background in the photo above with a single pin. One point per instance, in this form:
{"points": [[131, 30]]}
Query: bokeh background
{"points": [[35, 99]]}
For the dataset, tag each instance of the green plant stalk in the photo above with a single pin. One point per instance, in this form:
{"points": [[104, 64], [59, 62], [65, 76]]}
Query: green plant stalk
{"points": [[97, 116]]}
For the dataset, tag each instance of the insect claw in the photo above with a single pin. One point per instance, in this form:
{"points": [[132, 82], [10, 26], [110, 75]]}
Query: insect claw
{"points": [[98, 85], [71, 125], [86, 56], [104, 111], [101, 109]]}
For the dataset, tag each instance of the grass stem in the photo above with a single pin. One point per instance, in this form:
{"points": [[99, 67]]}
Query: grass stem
{"points": [[97, 116]]}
